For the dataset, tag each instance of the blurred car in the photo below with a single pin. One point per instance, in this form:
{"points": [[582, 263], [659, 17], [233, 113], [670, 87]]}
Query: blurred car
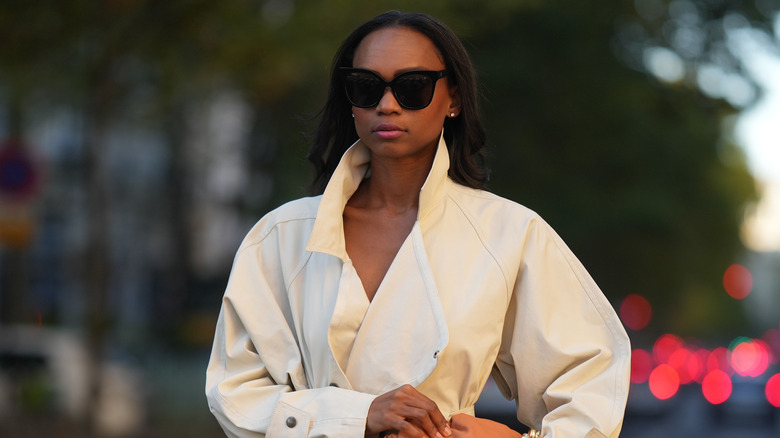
{"points": [[44, 372]]}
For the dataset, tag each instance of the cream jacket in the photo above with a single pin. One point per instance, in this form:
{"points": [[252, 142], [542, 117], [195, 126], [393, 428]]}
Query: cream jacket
{"points": [[481, 285]]}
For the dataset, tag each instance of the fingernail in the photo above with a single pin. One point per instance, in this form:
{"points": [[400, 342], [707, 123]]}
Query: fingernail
{"points": [[447, 431], [438, 435]]}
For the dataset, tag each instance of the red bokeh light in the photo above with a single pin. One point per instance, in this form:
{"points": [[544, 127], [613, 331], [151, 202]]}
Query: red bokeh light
{"points": [[764, 359], [738, 281], [719, 360], [680, 360], [750, 358], [773, 390], [716, 387], [641, 365], [664, 382], [665, 346], [697, 367], [635, 311]]}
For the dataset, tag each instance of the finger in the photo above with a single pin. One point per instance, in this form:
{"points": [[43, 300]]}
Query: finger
{"points": [[421, 418], [408, 412], [403, 428], [442, 424], [409, 430], [430, 419]]}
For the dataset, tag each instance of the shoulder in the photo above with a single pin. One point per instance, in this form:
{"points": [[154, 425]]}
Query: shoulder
{"points": [[510, 229], [506, 227], [487, 208], [291, 217]]}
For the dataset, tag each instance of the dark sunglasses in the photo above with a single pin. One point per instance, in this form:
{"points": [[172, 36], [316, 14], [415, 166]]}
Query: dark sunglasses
{"points": [[412, 90]]}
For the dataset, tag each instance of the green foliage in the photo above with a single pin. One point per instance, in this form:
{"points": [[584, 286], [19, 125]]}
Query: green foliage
{"points": [[632, 174]]}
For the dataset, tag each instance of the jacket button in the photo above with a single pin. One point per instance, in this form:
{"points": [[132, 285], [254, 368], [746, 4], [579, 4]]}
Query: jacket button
{"points": [[334, 384], [291, 422], [436, 354]]}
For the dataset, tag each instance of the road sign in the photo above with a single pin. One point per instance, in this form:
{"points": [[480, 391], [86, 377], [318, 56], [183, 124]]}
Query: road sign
{"points": [[18, 172]]}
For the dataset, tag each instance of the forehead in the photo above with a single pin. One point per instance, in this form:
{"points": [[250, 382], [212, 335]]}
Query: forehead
{"points": [[390, 50]]}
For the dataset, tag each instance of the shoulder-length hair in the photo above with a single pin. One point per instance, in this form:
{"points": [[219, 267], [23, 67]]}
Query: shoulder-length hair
{"points": [[464, 134]]}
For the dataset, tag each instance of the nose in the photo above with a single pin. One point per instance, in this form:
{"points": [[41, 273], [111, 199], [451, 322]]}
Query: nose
{"points": [[388, 104]]}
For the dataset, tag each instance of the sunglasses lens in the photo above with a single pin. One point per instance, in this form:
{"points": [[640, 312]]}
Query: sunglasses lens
{"points": [[414, 90], [364, 90]]}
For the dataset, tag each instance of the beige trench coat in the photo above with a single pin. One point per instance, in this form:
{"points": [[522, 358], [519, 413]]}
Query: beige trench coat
{"points": [[480, 285]]}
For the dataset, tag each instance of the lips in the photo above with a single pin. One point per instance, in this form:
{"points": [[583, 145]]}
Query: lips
{"points": [[388, 131], [387, 127]]}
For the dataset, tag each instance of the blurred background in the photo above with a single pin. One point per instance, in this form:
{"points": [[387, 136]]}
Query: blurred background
{"points": [[140, 140]]}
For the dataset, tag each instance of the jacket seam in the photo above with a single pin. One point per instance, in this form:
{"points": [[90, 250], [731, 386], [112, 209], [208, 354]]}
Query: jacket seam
{"points": [[483, 241], [268, 229], [229, 405], [304, 260]]}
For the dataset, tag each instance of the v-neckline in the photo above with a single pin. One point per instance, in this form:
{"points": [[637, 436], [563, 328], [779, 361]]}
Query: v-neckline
{"points": [[402, 248], [394, 339], [376, 258]]}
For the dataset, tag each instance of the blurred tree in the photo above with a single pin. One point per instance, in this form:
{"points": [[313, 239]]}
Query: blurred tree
{"points": [[697, 43], [637, 177], [72, 53]]}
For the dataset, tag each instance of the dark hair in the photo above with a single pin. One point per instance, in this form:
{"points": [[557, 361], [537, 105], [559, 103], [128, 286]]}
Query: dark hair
{"points": [[464, 134]]}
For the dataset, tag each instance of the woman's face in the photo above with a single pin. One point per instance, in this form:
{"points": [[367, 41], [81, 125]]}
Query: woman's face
{"points": [[390, 130]]}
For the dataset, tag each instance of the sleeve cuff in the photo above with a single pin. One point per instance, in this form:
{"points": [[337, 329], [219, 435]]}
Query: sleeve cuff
{"points": [[289, 421]]}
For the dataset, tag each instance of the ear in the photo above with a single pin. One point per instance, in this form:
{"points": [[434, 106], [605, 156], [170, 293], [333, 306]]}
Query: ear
{"points": [[454, 102]]}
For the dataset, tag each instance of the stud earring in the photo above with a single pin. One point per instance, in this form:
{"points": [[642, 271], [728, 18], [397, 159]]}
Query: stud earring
{"points": [[353, 115], [452, 114]]}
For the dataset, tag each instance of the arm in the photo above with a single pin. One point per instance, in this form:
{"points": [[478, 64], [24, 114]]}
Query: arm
{"points": [[565, 356], [255, 383]]}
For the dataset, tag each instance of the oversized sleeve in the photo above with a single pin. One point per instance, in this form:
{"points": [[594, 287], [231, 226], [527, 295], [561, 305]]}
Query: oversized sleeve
{"points": [[564, 356], [256, 384]]}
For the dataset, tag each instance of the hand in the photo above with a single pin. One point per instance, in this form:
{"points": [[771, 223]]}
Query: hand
{"points": [[407, 413], [465, 426]]}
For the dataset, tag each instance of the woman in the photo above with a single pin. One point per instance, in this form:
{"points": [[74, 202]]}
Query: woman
{"points": [[383, 305]]}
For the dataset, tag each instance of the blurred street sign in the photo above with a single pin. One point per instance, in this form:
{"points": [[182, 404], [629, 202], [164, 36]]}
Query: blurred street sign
{"points": [[19, 182], [16, 230], [18, 171]]}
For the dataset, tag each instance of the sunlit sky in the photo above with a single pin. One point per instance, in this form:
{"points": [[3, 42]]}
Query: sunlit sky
{"points": [[757, 129], [758, 132]]}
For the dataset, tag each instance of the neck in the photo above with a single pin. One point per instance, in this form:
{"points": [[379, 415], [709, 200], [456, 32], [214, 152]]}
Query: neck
{"points": [[394, 183]]}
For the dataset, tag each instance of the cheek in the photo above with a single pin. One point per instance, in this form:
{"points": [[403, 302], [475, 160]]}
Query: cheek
{"points": [[435, 120], [438, 110], [361, 122], [443, 101], [434, 126]]}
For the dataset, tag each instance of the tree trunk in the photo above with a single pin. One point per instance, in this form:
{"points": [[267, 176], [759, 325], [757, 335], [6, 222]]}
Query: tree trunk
{"points": [[98, 251]]}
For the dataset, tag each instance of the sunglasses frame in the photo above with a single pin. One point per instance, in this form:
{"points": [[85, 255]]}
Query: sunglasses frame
{"points": [[434, 75]]}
